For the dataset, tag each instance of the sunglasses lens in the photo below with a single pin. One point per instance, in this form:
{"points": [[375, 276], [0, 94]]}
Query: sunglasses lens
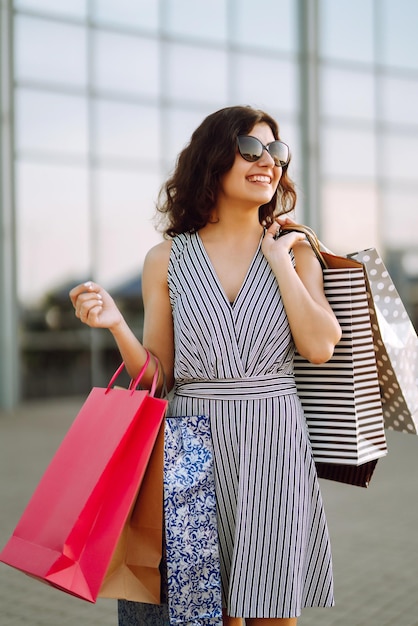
{"points": [[250, 148], [279, 152]]}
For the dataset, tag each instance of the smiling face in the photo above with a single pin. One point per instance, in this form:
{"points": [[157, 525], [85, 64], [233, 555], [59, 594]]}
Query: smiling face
{"points": [[252, 184]]}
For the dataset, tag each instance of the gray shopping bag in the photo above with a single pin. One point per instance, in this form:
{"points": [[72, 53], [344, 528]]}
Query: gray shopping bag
{"points": [[396, 345]]}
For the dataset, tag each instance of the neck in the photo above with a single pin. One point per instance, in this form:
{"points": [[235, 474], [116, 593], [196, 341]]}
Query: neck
{"points": [[231, 231], [231, 224]]}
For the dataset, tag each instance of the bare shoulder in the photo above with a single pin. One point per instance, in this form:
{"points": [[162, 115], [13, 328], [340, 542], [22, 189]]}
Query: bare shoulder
{"points": [[303, 251], [306, 261], [157, 259], [160, 252]]}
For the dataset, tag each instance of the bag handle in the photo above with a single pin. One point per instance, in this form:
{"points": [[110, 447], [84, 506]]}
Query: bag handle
{"points": [[311, 238], [135, 382]]}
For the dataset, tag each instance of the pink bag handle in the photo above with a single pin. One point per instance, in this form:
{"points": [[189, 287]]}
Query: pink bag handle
{"points": [[134, 383], [155, 377]]}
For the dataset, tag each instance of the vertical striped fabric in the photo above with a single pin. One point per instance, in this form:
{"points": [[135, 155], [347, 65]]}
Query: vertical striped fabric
{"points": [[341, 398], [234, 362]]}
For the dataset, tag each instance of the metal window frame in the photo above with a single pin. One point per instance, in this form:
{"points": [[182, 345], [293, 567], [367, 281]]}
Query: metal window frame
{"points": [[9, 342]]}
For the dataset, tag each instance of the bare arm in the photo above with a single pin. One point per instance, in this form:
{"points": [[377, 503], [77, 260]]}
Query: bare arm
{"points": [[158, 333], [314, 326], [95, 307], [158, 324]]}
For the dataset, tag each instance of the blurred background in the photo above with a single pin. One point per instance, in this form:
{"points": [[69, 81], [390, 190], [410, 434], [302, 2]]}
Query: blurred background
{"points": [[97, 97]]}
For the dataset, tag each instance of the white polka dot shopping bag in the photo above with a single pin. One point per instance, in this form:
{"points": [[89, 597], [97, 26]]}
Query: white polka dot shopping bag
{"points": [[396, 345]]}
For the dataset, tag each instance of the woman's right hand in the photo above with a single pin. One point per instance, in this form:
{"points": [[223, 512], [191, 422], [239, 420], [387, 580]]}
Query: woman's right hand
{"points": [[94, 306]]}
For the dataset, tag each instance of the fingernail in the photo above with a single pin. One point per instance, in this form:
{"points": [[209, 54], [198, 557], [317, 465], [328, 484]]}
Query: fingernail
{"points": [[88, 284]]}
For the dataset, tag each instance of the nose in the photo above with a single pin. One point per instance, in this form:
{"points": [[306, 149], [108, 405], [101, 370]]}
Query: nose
{"points": [[266, 158]]}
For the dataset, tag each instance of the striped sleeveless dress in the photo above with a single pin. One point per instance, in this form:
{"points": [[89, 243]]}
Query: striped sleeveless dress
{"points": [[234, 362]]}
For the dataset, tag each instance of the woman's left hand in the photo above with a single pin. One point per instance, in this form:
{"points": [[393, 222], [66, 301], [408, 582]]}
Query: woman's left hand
{"points": [[273, 245]]}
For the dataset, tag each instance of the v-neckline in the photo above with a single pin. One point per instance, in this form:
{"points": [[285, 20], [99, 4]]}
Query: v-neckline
{"points": [[215, 274]]}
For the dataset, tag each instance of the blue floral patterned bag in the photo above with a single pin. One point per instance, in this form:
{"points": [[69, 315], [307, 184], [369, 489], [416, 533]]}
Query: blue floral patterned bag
{"points": [[193, 569], [193, 583]]}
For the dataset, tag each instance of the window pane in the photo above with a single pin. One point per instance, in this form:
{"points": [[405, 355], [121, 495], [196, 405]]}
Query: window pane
{"points": [[290, 134], [129, 13], [399, 100], [344, 207], [197, 74], [53, 227], [270, 25], [127, 131], [47, 122], [203, 20], [50, 51], [70, 8], [346, 30], [347, 94], [180, 124], [399, 157], [266, 83], [348, 152], [126, 208], [126, 64], [399, 26], [400, 217]]}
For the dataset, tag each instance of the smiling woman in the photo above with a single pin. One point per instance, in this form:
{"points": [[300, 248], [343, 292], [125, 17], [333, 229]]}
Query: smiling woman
{"points": [[205, 162], [262, 172], [226, 301]]}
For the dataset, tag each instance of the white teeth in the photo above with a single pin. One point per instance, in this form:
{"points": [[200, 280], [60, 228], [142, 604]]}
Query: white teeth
{"points": [[259, 179]]}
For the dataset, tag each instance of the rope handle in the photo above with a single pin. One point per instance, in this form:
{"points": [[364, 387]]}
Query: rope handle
{"points": [[311, 238]]}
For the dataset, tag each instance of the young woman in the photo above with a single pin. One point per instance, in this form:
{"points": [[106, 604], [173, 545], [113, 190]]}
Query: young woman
{"points": [[227, 301]]}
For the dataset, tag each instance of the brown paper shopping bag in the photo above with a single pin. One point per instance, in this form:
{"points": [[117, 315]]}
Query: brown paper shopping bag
{"points": [[133, 573]]}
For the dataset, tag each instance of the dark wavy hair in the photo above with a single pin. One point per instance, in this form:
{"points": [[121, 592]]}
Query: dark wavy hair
{"points": [[187, 198]]}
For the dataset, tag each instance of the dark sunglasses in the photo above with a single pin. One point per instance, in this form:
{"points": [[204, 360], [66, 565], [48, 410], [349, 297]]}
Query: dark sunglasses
{"points": [[251, 149]]}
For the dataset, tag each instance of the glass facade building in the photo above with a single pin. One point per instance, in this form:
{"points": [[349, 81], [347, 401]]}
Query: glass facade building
{"points": [[99, 96]]}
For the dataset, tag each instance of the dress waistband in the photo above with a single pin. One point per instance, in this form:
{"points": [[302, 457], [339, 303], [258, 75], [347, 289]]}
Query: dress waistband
{"points": [[237, 388]]}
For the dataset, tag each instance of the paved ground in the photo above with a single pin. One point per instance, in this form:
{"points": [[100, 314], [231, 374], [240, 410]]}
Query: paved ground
{"points": [[374, 533]]}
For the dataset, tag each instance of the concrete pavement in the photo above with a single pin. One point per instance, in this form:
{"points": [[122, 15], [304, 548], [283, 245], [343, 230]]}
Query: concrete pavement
{"points": [[374, 532]]}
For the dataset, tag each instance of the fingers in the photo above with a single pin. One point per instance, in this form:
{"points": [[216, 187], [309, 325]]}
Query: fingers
{"points": [[88, 306], [86, 300], [273, 229], [90, 315], [284, 219], [289, 238], [95, 307], [279, 221], [88, 287]]}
